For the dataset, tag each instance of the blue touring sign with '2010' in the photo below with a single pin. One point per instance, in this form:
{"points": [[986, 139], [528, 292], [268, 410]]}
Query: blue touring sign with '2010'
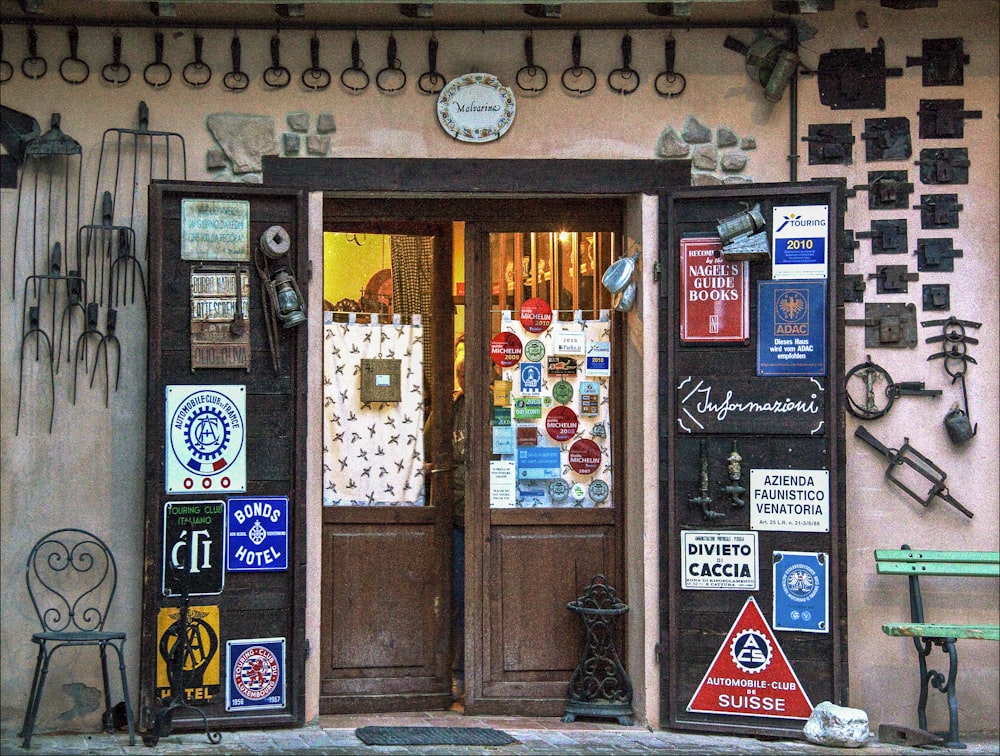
{"points": [[257, 534]]}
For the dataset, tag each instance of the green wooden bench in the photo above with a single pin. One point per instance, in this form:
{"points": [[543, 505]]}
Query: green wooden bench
{"points": [[915, 563]]}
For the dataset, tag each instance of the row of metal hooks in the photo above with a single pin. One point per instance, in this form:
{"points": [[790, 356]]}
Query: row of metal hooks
{"points": [[530, 78]]}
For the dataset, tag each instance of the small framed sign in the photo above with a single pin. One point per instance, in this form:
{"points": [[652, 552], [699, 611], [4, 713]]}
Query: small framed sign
{"points": [[215, 230], [256, 678]]}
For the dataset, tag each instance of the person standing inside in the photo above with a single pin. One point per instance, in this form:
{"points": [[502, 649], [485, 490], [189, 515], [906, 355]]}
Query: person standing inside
{"points": [[458, 441]]}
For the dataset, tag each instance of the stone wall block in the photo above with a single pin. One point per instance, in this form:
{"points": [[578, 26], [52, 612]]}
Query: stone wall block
{"points": [[705, 157], [733, 161], [325, 123], [298, 121], [670, 145], [318, 144], [725, 137], [291, 143], [695, 132], [244, 138]]}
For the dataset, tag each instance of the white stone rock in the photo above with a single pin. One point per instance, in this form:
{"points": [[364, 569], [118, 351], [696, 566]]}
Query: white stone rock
{"points": [[840, 726]]}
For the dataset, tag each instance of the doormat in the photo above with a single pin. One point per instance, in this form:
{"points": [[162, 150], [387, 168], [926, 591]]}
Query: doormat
{"points": [[466, 736]]}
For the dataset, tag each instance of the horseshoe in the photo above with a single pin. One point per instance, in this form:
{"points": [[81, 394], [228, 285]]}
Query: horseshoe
{"points": [[196, 73], [668, 83], [355, 77], [624, 80], [157, 74], [315, 77], [585, 76], [276, 76], [529, 71], [393, 72], [72, 69], [235, 80], [116, 72]]}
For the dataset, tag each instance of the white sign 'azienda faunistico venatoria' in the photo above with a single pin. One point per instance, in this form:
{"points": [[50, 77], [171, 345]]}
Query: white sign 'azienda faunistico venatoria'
{"points": [[796, 500]]}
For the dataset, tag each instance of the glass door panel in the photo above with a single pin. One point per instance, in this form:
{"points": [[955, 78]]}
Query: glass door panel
{"points": [[551, 372]]}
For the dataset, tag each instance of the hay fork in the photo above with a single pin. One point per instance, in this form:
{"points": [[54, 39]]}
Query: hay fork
{"points": [[34, 327]]}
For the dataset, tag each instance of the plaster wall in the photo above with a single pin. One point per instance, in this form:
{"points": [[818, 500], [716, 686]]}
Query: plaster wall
{"points": [[89, 471]]}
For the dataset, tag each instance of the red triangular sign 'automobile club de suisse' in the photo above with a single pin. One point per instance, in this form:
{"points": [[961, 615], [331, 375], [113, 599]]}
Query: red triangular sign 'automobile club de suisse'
{"points": [[750, 675]]}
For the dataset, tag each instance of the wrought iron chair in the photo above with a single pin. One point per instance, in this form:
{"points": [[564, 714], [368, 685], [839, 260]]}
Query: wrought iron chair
{"points": [[72, 576]]}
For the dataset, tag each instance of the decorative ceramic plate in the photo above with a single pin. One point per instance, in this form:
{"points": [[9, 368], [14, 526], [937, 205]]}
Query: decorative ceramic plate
{"points": [[476, 107]]}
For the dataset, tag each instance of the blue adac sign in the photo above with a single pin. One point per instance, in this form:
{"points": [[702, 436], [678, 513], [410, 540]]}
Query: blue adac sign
{"points": [[791, 328], [257, 534], [801, 592]]}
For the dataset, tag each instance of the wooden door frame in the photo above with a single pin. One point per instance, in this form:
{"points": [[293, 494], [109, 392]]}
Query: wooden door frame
{"points": [[402, 188]]}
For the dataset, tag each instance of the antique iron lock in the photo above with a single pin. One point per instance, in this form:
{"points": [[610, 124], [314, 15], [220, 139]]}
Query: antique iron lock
{"points": [[938, 210], [888, 236], [852, 78], [830, 144], [936, 255], [944, 165], [892, 279], [937, 297], [890, 324], [887, 190], [944, 119], [887, 139], [943, 62]]}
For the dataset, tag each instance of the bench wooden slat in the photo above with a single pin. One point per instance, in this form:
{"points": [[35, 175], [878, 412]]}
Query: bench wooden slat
{"points": [[921, 555], [928, 630], [960, 569]]}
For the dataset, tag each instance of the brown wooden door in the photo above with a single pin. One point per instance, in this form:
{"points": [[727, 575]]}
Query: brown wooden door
{"points": [[387, 569], [528, 557]]}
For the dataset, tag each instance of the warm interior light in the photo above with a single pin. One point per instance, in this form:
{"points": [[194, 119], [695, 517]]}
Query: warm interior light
{"points": [[564, 236]]}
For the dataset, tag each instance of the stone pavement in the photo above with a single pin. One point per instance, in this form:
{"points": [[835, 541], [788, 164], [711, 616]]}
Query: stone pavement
{"points": [[335, 735]]}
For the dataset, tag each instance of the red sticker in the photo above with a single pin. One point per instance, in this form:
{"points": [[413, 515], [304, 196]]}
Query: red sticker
{"points": [[585, 456], [561, 424], [505, 349], [536, 315]]}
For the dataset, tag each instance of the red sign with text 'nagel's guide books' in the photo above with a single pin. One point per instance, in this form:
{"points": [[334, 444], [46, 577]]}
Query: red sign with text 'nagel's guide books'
{"points": [[715, 293], [750, 675]]}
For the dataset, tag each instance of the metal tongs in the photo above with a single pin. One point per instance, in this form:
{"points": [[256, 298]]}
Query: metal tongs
{"points": [[907, 455]]}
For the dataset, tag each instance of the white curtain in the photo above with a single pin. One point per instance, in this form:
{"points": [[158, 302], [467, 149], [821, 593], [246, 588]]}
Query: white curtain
{"points": [[372, 453]]}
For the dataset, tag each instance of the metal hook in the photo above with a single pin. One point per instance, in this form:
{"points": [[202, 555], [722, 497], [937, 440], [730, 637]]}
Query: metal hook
{"points": [[72, 69], [6, 69], [624, 80], [431, 82], [315, 77], [197, 73], [157, 74], [529, 71], [276, 76], [393, 73], [355, 77], [33, 66], [669, 83], [585, 77], [235, 80], [116, 72]]}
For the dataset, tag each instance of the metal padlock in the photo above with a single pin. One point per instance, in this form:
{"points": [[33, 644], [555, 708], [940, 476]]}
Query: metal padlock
{"points": [[958, 425]]}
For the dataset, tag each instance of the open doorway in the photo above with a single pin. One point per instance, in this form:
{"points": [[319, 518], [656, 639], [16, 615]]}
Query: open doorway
{"points": [[414, 296]]}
